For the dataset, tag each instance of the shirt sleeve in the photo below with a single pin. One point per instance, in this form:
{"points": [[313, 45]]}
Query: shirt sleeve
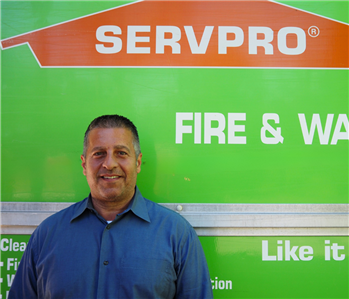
{"points": [[24, 283], [193, 278]]}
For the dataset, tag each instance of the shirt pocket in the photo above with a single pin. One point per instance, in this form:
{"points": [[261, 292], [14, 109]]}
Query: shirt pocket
{"points": [[147, 278]]}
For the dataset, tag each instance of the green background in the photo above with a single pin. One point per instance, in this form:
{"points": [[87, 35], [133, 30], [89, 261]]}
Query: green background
{"points": [[44, 113], [239, 259]]}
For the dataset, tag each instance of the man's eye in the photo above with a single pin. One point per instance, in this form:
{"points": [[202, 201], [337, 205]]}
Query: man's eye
{"points": [[98, 154], [122, 153]]}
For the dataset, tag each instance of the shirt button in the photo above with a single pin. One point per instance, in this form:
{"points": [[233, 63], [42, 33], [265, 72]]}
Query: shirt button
{"points": [[108, 226], [105, 262]]}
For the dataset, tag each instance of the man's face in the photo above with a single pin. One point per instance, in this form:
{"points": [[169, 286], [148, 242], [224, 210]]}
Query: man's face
{"points": [[111, 165]]}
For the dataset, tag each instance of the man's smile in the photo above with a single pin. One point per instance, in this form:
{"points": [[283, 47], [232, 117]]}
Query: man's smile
{"points": [[110, 177]]}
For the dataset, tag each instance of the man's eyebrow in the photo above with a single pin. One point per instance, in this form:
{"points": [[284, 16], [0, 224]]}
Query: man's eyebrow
{"points": [[122, 147], [97, 148], [116, 147]]}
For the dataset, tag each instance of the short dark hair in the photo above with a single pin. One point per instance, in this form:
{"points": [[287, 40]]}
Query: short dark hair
{"points": [[113, 121]]}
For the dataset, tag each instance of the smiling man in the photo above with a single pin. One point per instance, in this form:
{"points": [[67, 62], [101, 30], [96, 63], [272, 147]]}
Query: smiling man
{"points": [[115, 243], [111, 164]]}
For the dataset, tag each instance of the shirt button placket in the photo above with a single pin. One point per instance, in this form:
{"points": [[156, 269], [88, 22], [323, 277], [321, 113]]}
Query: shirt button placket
{"points": [[105, 263], [104, 257]]}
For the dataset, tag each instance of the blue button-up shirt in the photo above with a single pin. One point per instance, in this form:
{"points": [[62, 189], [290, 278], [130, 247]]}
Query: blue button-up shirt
{"points": [[146, 252]]}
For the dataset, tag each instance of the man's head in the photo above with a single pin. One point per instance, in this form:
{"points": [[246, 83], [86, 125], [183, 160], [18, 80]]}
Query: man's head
{"points": [[111, 159], [113, 121]]}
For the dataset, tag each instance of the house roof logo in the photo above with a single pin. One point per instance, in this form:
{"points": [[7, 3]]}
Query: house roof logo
{"points": [[234, 34]]}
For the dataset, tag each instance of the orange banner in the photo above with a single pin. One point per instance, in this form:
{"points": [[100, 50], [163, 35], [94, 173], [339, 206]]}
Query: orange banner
{"points": [[192, 34]]}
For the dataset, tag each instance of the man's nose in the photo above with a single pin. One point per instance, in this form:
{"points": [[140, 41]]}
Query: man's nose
{"points": [[110, 162]]}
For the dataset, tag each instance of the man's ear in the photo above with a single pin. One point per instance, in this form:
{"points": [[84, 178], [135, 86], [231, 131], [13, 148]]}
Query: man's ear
{"points": [[139, 162], [83, 164]]}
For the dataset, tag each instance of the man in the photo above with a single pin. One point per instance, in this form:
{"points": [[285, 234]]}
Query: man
{"points": [[114, 243]]}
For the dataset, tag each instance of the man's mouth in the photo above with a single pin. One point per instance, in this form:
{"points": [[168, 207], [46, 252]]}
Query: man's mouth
{"points": [[110, 177]]}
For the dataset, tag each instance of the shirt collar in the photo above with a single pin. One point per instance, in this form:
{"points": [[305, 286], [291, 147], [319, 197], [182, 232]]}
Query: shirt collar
{"points": [[138, 206]]}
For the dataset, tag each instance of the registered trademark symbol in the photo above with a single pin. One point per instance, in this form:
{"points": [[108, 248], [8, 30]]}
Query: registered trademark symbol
{"points": [[313, 31]]}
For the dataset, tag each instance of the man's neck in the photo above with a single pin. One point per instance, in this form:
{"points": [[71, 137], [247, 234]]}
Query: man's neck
{"points": [[109, 210]]}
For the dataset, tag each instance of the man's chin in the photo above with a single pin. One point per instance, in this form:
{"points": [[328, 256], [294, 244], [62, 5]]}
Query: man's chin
{"points": [[112, 196]]}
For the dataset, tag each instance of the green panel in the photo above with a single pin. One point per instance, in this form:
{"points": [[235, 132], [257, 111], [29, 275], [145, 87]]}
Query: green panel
{"points": [[238, 270], [337, 10], [239, 260], [12, 248], [45, 111], [43, 125]]}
